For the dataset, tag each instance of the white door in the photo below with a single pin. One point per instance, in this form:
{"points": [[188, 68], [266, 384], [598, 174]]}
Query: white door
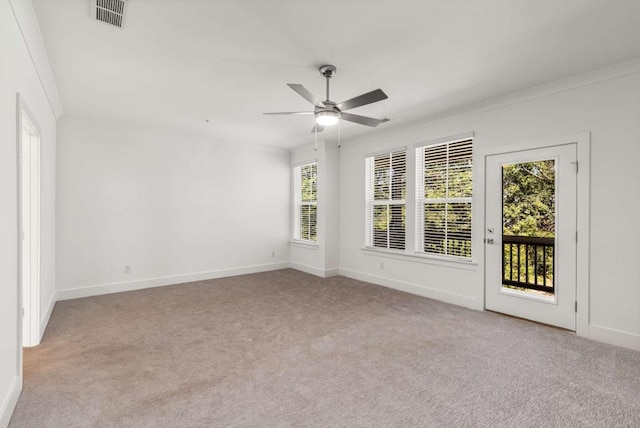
{"points": [[530, 234], [30, 232]]}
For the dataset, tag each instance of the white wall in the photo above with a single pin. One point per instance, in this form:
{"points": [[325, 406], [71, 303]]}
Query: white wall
{"points": [[173, 207], [610, 109], [18, 74], [321, 258]]}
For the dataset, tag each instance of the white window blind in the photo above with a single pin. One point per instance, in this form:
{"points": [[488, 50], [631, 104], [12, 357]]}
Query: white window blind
{"points": [[443, 198], [306, 202], [385, 200]]}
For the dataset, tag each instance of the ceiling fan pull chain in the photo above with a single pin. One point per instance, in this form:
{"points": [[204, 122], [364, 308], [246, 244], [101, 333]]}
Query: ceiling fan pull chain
{"points": [[316, 137], [339, 143]]}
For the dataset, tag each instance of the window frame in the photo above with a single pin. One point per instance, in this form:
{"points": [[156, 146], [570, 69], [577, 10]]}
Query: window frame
{"points": [[299, 203], [421, 200], [371, 202]]}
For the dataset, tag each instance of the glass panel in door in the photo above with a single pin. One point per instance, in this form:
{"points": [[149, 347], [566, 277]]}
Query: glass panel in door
{"points": [[529, 227]]}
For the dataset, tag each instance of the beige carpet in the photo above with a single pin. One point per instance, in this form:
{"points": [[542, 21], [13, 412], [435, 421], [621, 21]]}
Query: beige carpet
{"points": [[288, 349]]}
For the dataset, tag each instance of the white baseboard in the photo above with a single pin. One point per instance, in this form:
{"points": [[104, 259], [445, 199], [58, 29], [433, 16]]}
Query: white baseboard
{"points": [[331, 272], [420, 290], [614, 337], [47, 315], [323, 273], [9, 401], [118, 287]]}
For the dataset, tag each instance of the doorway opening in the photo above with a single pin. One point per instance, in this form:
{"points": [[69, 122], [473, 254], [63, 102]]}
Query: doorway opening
{"points": [[29, 226], [531, 228]]}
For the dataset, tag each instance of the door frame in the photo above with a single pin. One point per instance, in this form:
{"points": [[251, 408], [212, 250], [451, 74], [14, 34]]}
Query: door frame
{"points": [[31, 308], [583, 194]]}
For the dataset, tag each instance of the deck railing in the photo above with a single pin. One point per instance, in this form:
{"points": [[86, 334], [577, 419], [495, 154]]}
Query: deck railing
{"points": [[528, 262]]}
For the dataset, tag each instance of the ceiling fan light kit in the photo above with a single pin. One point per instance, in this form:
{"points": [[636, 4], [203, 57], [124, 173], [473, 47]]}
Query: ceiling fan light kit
{"points": [[327, 117], [329, 113]]}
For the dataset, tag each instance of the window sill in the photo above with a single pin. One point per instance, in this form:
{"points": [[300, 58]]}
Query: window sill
{"points": [[304, 244], [421, 258]]}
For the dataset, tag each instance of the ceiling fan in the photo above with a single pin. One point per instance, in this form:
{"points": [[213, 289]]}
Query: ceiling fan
{"points": [[328, 112]]}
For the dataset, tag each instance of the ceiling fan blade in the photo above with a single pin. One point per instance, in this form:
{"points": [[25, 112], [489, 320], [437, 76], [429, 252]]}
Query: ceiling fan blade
{"points": [[320, 128], [362, 120], [304, 93], [290, 112], [364, 99]]}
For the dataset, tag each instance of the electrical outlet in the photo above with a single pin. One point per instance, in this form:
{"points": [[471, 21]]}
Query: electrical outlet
{"points": [[127, 269], [382, 265], [273, 254]]}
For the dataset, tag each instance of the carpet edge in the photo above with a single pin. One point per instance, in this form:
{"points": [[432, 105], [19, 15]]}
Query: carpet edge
{"points": [[417, 289], [119, 287]]}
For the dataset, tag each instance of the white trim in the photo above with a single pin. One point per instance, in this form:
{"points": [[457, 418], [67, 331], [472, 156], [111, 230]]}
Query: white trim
{"points": [[118, 287], [375, 202], [583, 261], [8, 404], [310, 245], [556, 86], [425, 258], [614, 337], [562, 140], [303, 163], [322, 273], [29, 28], [331, 272], [19, 318], [452, 139], [577, 81], [465, 200], [44, 322], [529, 296], [386, 152], [418, 289], [583, 220], [32, 308]]}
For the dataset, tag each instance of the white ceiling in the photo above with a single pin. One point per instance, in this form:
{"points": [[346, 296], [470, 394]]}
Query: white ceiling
{"points": [[178, 62]]}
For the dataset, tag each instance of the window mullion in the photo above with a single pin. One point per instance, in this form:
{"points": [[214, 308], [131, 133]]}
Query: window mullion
{"points": [[446, 206]]}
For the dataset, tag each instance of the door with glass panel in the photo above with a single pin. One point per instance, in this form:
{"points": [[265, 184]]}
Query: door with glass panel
{"points": [[530, 234]]}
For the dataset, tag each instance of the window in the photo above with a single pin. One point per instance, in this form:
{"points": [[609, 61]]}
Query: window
{"points": [[306, 202], [386, 189], [443, 198]]}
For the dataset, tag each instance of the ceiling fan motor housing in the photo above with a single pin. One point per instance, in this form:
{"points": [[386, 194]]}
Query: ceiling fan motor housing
{"points": [[328, 112], [328, 71]]}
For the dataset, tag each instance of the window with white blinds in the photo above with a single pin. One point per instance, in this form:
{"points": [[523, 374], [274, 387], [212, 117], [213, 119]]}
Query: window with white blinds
{"points": [[385, 200], [443, 198], [306, 202]]}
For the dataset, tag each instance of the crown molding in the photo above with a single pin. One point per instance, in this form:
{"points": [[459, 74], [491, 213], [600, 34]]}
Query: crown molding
{"points": [[588, 78], [27, 22]]}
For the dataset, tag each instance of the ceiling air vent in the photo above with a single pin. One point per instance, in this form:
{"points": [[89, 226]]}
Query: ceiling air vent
{"points": [[109, 11]]}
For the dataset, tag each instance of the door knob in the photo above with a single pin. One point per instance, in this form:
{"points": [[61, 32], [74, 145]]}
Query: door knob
{"points": [[490, 241]]}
